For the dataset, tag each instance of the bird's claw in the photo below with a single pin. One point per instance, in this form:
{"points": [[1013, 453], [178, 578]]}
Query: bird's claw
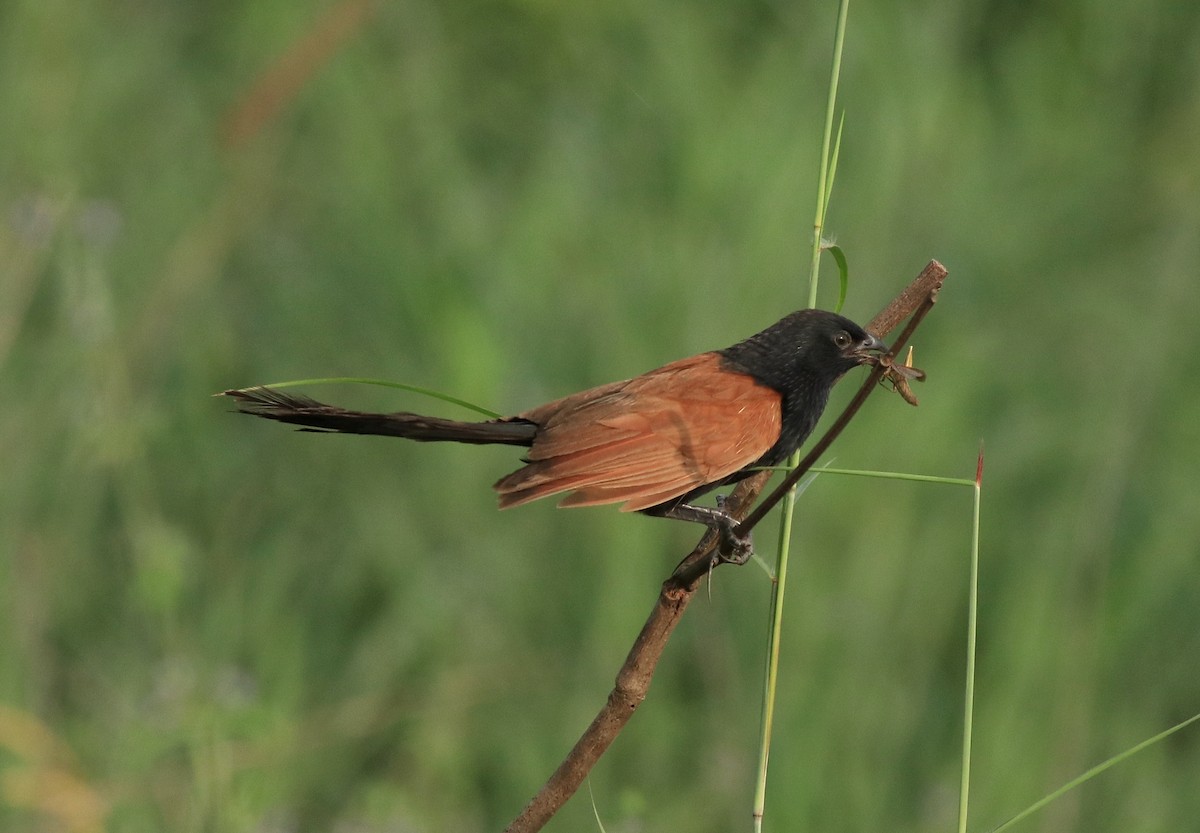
{"points": [[734, 548]]}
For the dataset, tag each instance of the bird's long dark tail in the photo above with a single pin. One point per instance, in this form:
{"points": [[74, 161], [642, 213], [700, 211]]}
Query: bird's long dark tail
{"points": [[316, 416]]}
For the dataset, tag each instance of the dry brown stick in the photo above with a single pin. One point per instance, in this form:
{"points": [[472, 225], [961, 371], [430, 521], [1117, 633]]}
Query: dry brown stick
{"points": [[924, 288], [633, 680]]}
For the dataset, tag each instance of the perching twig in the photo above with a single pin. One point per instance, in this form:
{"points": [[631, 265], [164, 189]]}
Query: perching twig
{"points": [[633, 680]]}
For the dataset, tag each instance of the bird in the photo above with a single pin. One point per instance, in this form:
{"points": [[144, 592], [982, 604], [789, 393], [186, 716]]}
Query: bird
{"points": [[653, 443]]}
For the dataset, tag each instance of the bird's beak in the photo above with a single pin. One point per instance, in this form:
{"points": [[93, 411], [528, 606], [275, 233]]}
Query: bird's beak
{"points": [[864, 350]]}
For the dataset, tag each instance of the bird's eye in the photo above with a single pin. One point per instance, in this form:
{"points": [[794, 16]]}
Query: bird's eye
{"points": [[842, 339]]}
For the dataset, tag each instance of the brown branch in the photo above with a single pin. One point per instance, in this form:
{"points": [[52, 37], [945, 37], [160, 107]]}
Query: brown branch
{"points": [[633, 680]]}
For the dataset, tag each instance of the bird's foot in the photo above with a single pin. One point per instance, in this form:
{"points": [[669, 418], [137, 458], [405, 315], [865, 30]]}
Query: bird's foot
{"points": [[735, 548]]}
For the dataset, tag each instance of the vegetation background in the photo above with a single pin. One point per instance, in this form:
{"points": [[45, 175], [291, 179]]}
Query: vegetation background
{"points": [[210, 623]]}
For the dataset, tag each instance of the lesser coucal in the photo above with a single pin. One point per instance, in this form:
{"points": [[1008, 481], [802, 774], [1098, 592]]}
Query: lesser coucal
{"points": [[653, 443]]}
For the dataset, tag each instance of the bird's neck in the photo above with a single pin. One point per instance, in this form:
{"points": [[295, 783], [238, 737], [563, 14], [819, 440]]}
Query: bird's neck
{"points": [[803, 395]]}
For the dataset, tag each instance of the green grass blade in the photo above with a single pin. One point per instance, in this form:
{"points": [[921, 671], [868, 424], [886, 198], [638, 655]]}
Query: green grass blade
{"points": [[833, 160], [595, 809], [972, 633], [839, 257], [772, 671], [900, 475], [771, 674], [1094, 771], [824, 176], [433, 394], [824, 184]]}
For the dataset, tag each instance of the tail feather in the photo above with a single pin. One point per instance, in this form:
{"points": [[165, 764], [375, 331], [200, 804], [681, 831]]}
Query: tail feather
{"points": [[316, 416]]}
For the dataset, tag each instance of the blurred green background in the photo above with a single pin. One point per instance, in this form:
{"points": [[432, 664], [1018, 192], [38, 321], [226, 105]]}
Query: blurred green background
{"points": [[211, 623]]}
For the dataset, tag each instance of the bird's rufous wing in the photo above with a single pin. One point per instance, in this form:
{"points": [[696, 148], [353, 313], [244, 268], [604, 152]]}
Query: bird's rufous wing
{"points": [[647, 440]]}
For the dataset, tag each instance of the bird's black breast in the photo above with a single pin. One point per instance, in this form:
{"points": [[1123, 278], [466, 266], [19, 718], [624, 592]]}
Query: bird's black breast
{"points": [[801, 412]]}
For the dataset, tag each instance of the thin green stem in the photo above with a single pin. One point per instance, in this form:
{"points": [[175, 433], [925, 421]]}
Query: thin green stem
{"points": [[772, 670], [383, 383], [1094, 771], [825, 174], [900, 475], [824, 183], [969, 694]]}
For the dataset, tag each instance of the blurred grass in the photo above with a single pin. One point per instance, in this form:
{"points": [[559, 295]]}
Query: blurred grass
{"points": [[221, 625]]}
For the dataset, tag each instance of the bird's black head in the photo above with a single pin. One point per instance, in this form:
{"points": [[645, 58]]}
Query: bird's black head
{"points": [[802, 357], [807, 348]]}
